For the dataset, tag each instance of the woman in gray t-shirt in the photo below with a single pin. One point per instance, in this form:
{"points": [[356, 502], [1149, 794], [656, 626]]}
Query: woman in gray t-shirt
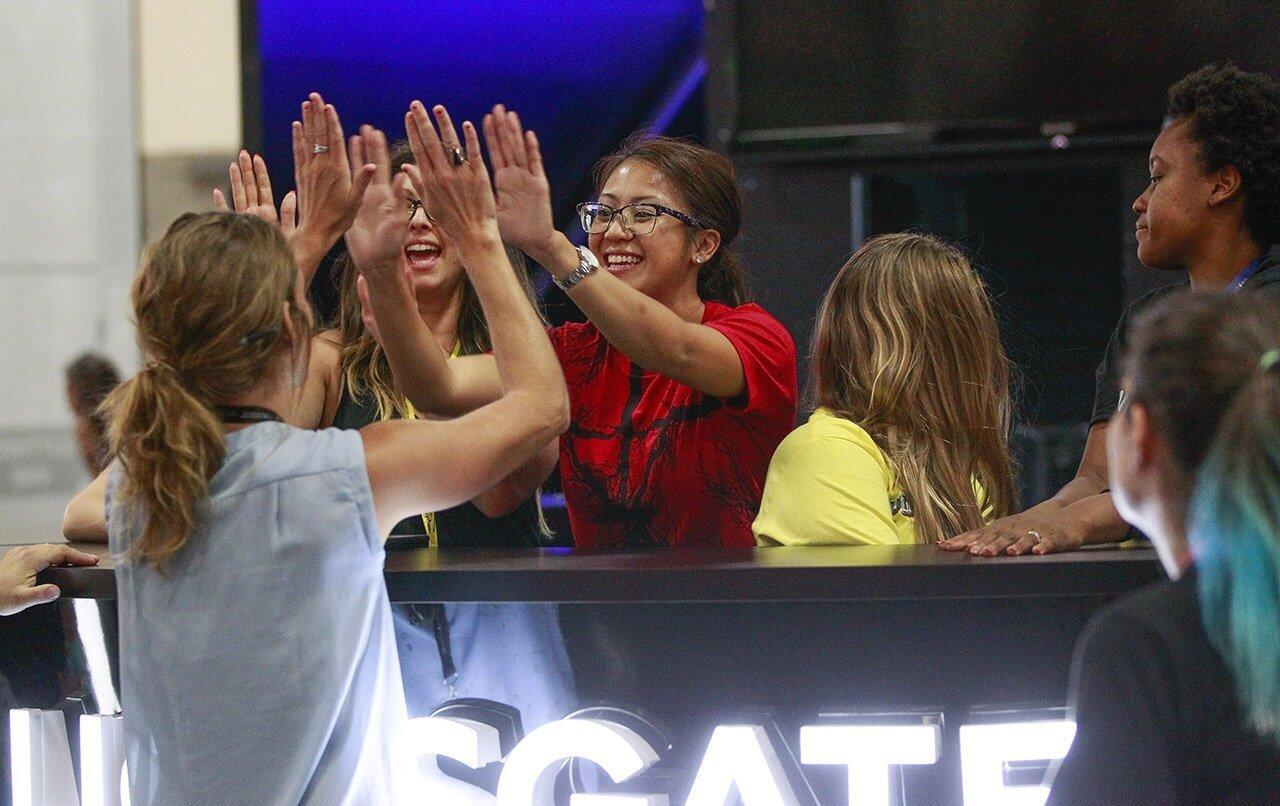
{"points": [[258, 662]]}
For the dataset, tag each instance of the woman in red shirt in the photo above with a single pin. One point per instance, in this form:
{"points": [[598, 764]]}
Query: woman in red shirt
{"points": [[680, 389]]}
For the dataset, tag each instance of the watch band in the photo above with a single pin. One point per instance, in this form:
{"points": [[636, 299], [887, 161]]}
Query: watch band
{"points": [[587, 265]]}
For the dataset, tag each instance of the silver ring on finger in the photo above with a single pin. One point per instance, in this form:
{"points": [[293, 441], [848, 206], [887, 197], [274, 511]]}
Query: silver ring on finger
{"points": [[319, 149], [1034, 535], [457, 156]]}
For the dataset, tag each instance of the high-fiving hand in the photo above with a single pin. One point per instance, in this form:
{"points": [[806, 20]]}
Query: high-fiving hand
{"points": [[330, 186], [331, 179], [251, 195], [524, 195], [457, 193], [376, 235]]}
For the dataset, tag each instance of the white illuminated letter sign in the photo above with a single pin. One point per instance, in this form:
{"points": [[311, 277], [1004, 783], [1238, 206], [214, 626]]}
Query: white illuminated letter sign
{"points": [[741, 755], [40, 759], [528, 778], [104, 781], [472, 743], [869, 751], [984, 749]]}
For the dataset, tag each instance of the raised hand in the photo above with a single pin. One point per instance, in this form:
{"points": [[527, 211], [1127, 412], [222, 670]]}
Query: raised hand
{"points": [[376, 235], [251, 195], [331, 181], [524, 196], [458, 194]]}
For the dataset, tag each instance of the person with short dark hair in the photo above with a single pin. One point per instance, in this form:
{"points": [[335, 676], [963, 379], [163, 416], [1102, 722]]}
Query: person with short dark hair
{"points": [[1176, 688], [1212, 209], [90, 377]]}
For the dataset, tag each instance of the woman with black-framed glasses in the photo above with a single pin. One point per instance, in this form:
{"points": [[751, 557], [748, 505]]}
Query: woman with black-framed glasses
{"points": [[680, 388]]}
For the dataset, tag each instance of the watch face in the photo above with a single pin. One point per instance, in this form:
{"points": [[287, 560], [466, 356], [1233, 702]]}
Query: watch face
{"points": [[588, 257]]}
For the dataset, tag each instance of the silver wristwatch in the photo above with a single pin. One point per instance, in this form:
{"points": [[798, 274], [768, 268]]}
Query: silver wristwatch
{"points": [[586, 266]]}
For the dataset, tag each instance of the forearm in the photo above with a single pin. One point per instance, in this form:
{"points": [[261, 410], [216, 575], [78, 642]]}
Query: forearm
{"points": [[521, 349], [515, 489], [643, 329], [1083, 486], [1094, 519], [309, 248], [418, 363]]}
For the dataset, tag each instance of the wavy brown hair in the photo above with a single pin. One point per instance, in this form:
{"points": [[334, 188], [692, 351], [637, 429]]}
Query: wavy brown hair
{"points": [[907, 347], [365, 368], [208, 303]]}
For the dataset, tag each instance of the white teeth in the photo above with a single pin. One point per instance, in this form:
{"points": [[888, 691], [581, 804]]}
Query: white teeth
{"points": [[418, 248], [621, 260]]}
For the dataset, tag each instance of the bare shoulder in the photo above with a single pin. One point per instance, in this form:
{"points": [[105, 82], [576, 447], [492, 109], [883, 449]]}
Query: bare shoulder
{"points": [[318, 397]]}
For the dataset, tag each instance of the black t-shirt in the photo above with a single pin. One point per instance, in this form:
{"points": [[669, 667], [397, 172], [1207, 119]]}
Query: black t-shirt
{"points": [[463, 526], [1107, 378], [1157, 716]]}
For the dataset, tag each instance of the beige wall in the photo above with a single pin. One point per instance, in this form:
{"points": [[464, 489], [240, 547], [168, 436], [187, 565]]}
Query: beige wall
{"points": [[188, 76], [188, 104]]}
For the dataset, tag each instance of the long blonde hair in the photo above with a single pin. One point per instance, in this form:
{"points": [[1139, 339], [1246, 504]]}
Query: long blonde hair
{"points": [[907, 347], [209, 302]]}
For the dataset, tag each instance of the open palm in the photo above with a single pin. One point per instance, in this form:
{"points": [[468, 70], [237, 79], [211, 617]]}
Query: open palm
{"points": [[524, 195], [377, 233]]}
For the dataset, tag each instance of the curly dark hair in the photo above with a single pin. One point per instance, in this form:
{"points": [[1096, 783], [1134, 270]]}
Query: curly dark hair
{"points": [[1235, 116]]}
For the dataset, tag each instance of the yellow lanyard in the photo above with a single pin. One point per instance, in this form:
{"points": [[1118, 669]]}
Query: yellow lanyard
{"points": [[428, 518]]}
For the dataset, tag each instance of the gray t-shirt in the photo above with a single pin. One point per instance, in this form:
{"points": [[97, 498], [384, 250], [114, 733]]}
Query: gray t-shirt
{"points": [[261, 666]]}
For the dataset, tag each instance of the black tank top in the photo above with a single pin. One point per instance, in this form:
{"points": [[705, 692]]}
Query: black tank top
{"points": [[463, 526]]}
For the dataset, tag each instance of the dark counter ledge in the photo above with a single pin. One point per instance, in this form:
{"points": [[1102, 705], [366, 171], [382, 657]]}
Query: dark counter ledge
{"points": [[817, 573]]}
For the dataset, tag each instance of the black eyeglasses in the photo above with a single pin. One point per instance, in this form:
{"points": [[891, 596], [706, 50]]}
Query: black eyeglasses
{"points": [[414, 206], [638, 219]]}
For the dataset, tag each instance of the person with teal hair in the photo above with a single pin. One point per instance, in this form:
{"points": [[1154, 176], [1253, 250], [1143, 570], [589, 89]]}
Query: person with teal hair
{"points": [[1235, 538], [1176, 688]]}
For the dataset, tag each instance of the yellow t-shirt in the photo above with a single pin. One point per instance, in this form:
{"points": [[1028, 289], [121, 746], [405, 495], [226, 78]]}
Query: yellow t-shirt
{"points": [[830, 484]]}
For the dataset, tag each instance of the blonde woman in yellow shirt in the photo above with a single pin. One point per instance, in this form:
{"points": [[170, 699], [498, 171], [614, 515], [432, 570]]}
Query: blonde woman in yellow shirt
{"points": [[910, 440]]}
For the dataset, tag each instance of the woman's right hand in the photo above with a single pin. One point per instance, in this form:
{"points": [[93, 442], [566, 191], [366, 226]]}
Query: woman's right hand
{"points": [[524, 195], [458, 196], [377, 233]]}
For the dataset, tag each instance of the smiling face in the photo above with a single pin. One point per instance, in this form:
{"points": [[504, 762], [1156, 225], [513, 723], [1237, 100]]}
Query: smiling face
{"points": [[661, 264], [433, 266], [1174, 210]]}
